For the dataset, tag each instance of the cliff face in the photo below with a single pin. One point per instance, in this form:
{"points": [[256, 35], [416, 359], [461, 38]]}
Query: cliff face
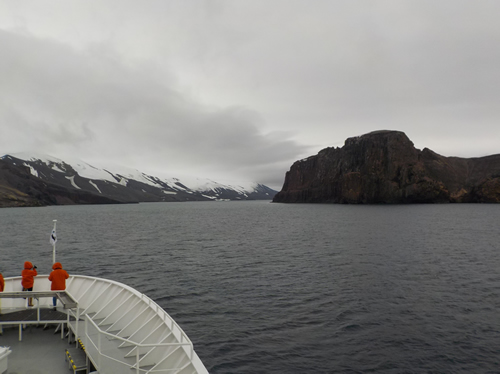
{"points": [[385, 167]]}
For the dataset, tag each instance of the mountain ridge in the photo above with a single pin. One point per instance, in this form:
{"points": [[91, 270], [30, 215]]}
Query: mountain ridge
{"points": [[34, 179]]}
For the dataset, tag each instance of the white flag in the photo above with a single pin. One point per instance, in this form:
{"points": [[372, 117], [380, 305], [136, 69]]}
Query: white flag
{"points": [[53, 237]]}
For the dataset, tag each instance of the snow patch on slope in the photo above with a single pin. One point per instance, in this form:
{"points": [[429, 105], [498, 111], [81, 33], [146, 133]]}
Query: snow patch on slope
{"points": [[202, 184], [95, 185], [56, 168], [32, 169], [33, 156], [169, 192], [72, 180]]}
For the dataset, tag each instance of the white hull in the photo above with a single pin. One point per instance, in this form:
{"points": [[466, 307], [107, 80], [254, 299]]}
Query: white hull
{"points": [[123, 330]]}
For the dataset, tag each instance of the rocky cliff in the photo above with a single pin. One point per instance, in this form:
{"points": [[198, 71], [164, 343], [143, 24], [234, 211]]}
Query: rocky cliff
{"points": [[385, 167]]}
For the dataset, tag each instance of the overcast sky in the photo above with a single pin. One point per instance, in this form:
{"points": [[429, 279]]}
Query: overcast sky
{"points": [[240, 89]]}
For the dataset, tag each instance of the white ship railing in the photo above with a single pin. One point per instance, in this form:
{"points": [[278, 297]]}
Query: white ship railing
{"points": [[120, 327]]}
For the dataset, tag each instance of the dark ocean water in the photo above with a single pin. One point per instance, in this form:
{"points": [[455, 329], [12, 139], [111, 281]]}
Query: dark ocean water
{"points": [[275, 288]]}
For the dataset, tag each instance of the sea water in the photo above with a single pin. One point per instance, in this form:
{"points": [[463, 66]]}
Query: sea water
{"points": [[293, 288]]}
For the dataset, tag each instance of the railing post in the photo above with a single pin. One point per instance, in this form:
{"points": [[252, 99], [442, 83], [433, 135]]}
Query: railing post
{"points": [[77, 322], [137, 359], [99, 349], [69, 329], [37, 309]]}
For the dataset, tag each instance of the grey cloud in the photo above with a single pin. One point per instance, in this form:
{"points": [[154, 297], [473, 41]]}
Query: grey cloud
{"points": [[359, 62], [63, 100], [205, 84]]}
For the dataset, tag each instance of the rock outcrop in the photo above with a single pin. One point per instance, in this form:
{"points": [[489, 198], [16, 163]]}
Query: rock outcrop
{"points": [[385, 167]]}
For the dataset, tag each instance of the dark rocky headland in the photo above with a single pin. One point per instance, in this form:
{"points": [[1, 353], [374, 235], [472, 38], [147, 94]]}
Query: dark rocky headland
{"points": [[384, 167]]}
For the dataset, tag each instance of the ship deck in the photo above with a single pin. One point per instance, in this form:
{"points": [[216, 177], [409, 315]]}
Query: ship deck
{"points": [[41, 351], [46, 314]]}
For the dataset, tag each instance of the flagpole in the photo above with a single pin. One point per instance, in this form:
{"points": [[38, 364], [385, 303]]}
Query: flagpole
{"points": [[54, 244]]}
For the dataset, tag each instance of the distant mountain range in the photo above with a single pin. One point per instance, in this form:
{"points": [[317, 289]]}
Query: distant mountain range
{"points": [[37, 180]]}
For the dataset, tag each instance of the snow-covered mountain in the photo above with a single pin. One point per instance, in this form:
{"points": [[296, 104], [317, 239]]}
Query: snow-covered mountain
{"points": [[130, 185]]}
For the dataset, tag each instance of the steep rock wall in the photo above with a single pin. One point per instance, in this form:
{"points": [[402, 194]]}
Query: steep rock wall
{"points": [[385, 167]]}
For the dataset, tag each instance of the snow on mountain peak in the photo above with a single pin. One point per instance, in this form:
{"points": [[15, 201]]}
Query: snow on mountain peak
{"points": [[121, 175]]}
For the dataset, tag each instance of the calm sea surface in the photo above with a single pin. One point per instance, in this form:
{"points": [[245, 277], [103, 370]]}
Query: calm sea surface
{"points": [[278, 288]]}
